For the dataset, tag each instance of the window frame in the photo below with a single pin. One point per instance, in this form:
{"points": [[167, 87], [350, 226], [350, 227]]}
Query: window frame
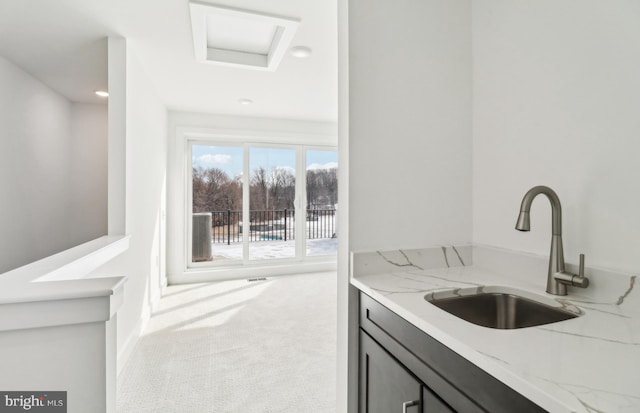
{"points": [[248, 141]]}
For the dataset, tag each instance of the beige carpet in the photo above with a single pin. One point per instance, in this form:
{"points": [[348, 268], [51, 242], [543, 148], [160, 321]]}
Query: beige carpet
{"points": [[237, 346]]}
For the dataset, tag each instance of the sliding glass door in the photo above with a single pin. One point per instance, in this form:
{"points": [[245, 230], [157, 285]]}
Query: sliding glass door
{"points": [[254, 203], [272, 203], [216, 203], [322, 202]]}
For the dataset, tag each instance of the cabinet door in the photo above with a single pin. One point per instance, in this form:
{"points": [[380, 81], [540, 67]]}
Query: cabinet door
{"points": [[431, 403], [385, 385]]}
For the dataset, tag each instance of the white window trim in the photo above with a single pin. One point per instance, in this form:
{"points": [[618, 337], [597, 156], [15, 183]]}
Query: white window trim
{"points": [[237, 269]]}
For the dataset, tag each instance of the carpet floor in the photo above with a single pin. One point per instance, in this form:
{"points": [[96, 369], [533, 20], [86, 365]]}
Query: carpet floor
{"points": [[266, 346]]}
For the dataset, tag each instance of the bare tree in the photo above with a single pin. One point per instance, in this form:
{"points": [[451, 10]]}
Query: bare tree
{"points": [[259, 190], [282, 188], [322, 187], [214, 190]]}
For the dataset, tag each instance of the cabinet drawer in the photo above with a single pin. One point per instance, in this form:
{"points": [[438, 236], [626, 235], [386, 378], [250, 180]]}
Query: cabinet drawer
{"points": [[461, 384]]}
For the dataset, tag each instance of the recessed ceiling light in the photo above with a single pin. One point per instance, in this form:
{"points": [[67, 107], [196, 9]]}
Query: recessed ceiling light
{"points": [[300, 52], [245, 101], [102, 93]]}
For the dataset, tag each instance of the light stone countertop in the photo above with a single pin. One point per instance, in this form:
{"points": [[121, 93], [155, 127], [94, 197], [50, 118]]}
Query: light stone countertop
{"points": [[587, 364]]}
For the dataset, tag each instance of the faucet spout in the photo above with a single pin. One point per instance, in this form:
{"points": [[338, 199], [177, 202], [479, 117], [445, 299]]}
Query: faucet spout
{"points": [[557, 279], [523, 223]]}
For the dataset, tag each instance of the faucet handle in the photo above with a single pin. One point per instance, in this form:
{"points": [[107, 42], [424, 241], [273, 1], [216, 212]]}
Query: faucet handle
{"points": [[580, 280], [581, 268], [576, 280]]}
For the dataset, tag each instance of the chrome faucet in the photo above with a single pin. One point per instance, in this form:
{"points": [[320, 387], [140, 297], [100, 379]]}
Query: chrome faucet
{"points": [[558, 278]]}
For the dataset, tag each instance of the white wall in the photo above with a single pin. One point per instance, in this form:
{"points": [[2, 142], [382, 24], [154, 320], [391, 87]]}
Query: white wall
{"points": [[117, 135], [75, 363], [88, 179], [44, 140], [556, 93], [409, 123], [146, 181], [145, 204], [346, 354], [405, 125]]}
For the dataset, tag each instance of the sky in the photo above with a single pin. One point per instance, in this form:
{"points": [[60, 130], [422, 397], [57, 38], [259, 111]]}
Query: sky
{"points": [[229, 158]]}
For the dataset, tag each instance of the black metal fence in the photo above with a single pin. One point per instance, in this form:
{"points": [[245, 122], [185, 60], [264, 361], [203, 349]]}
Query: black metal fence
{"points": [[227, 226], [321, 223], [271, 225]]}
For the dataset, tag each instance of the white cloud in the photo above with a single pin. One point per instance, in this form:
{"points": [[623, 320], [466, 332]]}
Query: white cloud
{"points": [[209, 159], [316, 166], [285, 169]]}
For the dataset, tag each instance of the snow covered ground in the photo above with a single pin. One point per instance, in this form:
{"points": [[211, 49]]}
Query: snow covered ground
{"points": [[274, 249]]}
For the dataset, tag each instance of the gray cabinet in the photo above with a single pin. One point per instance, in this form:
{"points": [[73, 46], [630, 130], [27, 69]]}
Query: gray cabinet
{"points": [[387, 386], [399, 363], [432, 403]]}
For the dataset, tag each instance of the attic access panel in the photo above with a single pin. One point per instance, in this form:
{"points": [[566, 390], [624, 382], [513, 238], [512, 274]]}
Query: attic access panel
{"points": [[240, 38]]}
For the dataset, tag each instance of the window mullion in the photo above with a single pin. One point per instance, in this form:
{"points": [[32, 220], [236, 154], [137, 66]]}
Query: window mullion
{"points": [[301, 198], [246, 183]]}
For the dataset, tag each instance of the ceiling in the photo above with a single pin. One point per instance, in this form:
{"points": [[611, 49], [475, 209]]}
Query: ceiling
{"points": [[62, 43]]}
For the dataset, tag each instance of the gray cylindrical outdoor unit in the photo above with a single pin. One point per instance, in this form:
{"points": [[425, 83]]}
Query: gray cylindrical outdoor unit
{"points": [[201, 250]]}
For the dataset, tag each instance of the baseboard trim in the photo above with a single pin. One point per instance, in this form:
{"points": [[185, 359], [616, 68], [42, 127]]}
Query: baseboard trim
{"points": [[130, 343], [224, 274]]}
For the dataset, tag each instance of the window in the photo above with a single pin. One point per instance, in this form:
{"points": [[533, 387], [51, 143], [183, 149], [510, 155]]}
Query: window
{"points": [[272, 203], [255, 203], [216, 200], [322, 201]]}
